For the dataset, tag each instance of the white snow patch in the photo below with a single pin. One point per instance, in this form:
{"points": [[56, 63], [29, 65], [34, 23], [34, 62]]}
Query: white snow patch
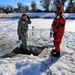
{"points": [[31, 65]]}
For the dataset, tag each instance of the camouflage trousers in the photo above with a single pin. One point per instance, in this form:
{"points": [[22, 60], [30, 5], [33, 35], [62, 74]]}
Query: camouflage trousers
{"points": [[24, 39]]}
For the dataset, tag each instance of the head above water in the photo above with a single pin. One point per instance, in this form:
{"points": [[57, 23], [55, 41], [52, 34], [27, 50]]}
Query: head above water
{"points": [[24, 16]]}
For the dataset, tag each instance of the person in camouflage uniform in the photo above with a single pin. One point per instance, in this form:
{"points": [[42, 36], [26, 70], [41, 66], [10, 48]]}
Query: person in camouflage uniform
{"points": [[22, 30]]}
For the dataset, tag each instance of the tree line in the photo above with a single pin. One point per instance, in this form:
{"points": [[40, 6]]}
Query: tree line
{"points": [[47, 6]]}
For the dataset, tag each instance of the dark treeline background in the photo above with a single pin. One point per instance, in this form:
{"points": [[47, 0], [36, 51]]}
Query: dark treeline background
{"points": [[47, 6]]}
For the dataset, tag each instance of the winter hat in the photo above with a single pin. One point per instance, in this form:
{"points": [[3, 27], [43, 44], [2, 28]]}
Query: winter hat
{"points": [[23, 15], [60, 10]]}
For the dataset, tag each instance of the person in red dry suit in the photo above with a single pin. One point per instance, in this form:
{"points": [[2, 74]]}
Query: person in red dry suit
{"points": [[58, 28]]}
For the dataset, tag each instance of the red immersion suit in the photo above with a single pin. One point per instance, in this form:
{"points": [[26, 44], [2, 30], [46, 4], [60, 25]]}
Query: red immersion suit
{"points": [[58, 27]]}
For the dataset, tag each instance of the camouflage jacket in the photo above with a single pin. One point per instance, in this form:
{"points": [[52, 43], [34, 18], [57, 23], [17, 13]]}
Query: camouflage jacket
{"points": [[23, 26]]}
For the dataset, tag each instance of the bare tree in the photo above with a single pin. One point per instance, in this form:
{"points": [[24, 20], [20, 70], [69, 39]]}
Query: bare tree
{"points": [[19, 6], [10, 8], [59, 2], [33, 5], [16, 10], [2, 8], [45, 4], [71, 7], [26, 8], [74, 7], [63, 2]]}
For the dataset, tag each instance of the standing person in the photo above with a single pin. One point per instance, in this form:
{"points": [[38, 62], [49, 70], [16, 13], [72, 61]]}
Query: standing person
{"points": [[22, 31], [58, 28]]}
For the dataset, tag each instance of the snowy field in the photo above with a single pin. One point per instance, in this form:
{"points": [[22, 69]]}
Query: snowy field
{"points": [[33, 65]]}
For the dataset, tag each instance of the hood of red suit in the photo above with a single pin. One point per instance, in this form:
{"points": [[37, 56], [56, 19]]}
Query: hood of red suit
{"points": [[59, 11]]}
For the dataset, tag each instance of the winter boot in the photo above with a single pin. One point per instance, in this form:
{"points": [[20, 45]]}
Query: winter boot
{"points": [[53, 50], [56, 54]]}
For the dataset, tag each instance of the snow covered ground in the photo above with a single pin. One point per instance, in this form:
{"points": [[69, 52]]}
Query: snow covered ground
{"points": [[31, 65]]}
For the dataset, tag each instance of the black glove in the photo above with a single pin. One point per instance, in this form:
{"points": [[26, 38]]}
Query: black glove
{"points": [[54, 33], [19, 37], [28, 17], [51, 34]]}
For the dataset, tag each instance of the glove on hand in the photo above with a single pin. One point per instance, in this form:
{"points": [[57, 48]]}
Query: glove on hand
{"points": [[28, 17], [19, 38]]}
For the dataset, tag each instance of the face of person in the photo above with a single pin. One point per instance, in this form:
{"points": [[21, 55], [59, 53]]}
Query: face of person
{"points": [[24, 17]]}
